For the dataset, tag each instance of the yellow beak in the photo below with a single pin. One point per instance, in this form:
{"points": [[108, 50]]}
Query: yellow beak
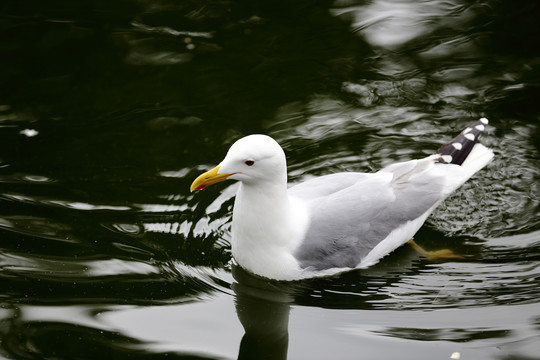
{"points": [[208, 178]]}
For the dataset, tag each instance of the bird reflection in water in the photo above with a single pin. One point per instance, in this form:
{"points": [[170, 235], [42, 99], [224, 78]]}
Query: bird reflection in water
{"points": [[263, 308]]}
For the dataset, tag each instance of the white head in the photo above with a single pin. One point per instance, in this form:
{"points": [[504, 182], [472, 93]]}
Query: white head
{"points": [[261, 203], [253, 159]]}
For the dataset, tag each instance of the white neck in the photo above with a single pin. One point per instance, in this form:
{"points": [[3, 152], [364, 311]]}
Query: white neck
{"points": [[265, 230]]}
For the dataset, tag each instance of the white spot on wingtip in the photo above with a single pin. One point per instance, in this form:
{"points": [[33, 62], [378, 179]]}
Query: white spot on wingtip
{"points": [[467, 130], [469, 137], [480, 127], [457, 146], [455, 356], [446, 158], [484, 121]]}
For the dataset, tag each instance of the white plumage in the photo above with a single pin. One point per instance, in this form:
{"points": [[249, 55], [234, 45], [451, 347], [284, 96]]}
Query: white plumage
{"points": [[336, 222]]}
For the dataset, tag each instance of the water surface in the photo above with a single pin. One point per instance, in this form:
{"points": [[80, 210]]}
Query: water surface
{"points": [[109, 111]]}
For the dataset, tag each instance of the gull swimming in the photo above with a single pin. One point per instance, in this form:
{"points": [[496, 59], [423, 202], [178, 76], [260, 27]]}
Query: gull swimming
{"points": [[335, 222]]}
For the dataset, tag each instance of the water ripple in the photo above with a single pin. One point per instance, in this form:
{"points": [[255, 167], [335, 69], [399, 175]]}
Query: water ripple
{"points": [[26, 179], [40, 227]]}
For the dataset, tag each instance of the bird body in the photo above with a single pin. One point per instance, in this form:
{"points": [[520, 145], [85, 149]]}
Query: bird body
{"points": [[339, 221]]}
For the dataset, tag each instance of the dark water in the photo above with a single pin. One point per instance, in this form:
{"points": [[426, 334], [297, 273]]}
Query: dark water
{"points": [[108, 111]]}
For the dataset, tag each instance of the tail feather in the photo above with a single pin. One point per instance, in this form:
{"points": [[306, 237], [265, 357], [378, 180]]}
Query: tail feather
{"points": [[465, 152], [457, 150]]}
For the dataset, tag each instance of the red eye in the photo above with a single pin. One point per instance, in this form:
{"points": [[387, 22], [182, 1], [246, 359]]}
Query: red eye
{"points": [[249, 162]]}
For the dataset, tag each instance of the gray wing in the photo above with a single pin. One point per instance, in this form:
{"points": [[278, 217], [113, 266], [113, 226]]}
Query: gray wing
{"points": [[316, 188], [347, 223]]}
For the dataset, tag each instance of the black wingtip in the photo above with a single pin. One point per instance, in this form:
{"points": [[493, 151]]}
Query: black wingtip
{"points": [[457, 150]]}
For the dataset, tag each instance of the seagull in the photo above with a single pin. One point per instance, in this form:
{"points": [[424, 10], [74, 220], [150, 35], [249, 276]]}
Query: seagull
{"points": [[337, 222]]}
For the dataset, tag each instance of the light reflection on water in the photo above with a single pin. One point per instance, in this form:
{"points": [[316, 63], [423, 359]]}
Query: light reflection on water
{"points": [[108, 250]]}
